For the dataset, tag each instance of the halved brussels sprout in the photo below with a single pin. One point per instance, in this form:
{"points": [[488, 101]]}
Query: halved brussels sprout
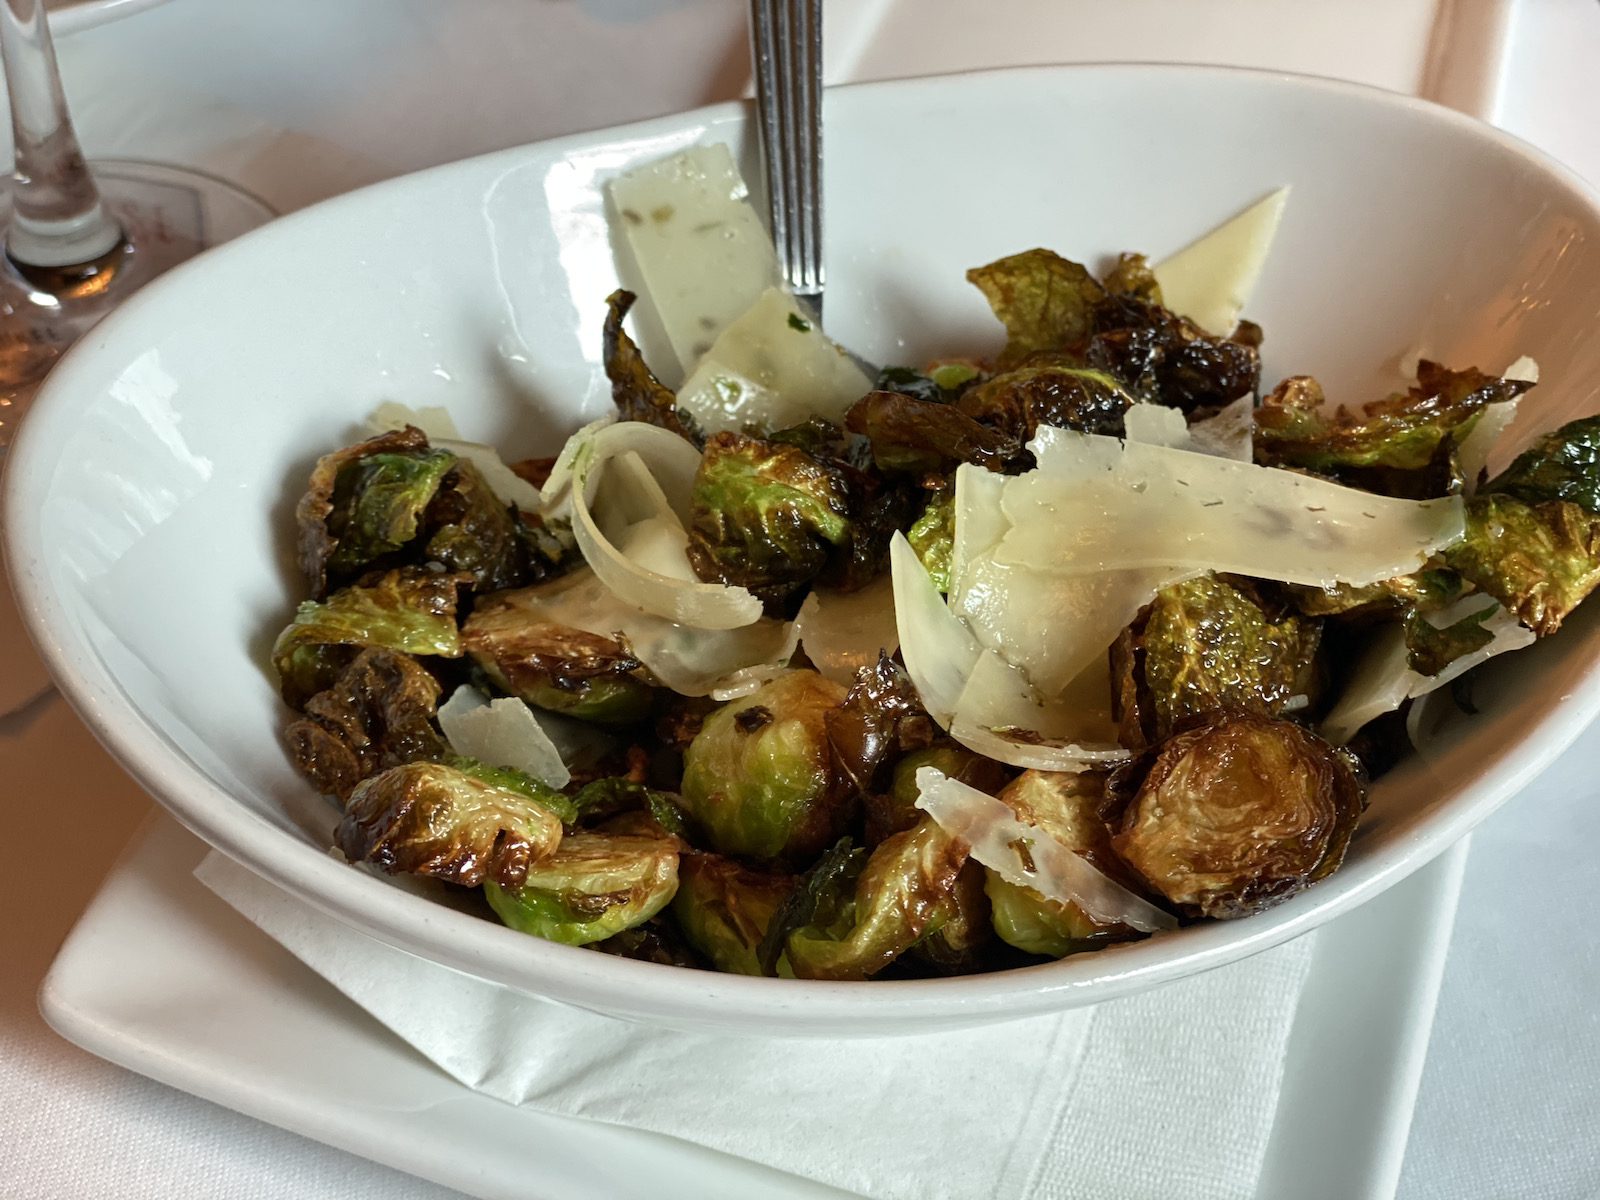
{"points": [[411, 610], [1067, 808], [882, 717], [1539, 561], [956, 946], [638, 394], [1206, 644], [378, 714], [1061, 394], [472, 531], [556, 667], [1161, 358], [1237, 814], [426, 818], [723, 909], [764, 515], [758, 778], [904, 893], [593, 887], [921, 438]]}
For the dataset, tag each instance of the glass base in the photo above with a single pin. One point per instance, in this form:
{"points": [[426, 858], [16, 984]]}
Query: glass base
{"points": [[168, 215]]}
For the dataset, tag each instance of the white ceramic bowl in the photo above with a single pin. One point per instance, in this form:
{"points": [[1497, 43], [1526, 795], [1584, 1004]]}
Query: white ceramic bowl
{"points": [[148, 500]]}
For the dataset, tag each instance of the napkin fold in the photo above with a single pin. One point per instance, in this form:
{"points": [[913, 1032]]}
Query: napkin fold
{"points": [[1164, 1095]]}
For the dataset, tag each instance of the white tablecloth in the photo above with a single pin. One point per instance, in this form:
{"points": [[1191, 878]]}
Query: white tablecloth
{"points": [[298, 99]]}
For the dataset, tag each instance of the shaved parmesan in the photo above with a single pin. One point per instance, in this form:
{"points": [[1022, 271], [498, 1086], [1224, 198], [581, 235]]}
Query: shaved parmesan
{"points": [[701, 248], [771, 368], [845, 631], [1524, 369], [1210, 280], [1029, 857], [435, 421], [502, 733], [1000, 714], [939, 651], [647, 473], [1156, 425], [1097, 504], [1228, 433], [1383, 679], [691, 661], [555, 498]]}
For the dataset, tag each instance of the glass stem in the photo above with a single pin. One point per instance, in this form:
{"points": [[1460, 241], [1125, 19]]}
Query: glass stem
{"points": [[57, 219]]}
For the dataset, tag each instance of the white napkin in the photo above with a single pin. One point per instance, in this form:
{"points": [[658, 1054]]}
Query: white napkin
{"points": [[1167, 1094]]}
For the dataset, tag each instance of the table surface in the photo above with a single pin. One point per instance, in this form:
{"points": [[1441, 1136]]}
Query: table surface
{"points": [[300, 99]]}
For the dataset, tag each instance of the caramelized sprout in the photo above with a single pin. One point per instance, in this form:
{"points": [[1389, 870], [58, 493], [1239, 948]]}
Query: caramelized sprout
{"points": [[426, 818], [1048, 393], [472, 531], [920, 438], [639, 395], [724, 908], [1539, 560], [1562, 465], [593, 887]]}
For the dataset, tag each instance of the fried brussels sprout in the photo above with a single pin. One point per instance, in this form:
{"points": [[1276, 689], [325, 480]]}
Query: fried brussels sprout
{"points": [[427, 818], [1236, 814], [957, 945], [1206, 644], [593, 887], [1046, 302], [1538, 560], [1430, 649], [638, 394], [1562, 465], [1132, 276], [758, 779], [822, 897], [411, 610], [933, 536], [323, 513], [1046, 393], [657, 941], [764, 516], [1427, 590], [556, 667], [557, 804], [1067, 808], [378, 714], [1163, 359], [895, 810], [473, 532], [1402, 432], [724, 908], [904, 893], [909, 383], [921, 438], [881, 717]]}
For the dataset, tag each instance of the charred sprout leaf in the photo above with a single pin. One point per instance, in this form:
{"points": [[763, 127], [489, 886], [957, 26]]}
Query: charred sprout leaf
{"points": [[317, 541], [657, 941], [509, 778], [1562, 465], [823, 898], [1045, 302], [1401, 432], [768, 792], [378, 714], [1205, 645], [909, 383], [639, 395], [1163, 359], [617, 793], [895, 809], [556, 667], [1237, 814], [1538, 560], [593, 887], [919, 438], [1067, 808], [763, 516], [881, 718], [427, 818], [1132, 276], [933, 536], [1045, 393], [963, 926], [378, 504], [472, 531], [903, 895], [410, 610], [817, 436], [724, 910], [1430, 650]]}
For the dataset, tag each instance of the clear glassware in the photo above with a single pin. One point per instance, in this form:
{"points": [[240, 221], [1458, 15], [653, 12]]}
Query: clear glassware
{"points": [[80, 241]]}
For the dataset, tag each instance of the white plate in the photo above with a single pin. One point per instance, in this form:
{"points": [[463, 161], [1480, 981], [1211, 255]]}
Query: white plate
{"points": [[148, 496], [162, 977]]}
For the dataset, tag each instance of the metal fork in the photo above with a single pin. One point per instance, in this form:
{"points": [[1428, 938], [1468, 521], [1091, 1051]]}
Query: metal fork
{"points": [[786, 50]]}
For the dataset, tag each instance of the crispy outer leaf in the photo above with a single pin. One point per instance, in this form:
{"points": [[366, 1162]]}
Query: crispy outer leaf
{"points": [[724, 909], [1044, 301], [427, 818], [1044, 393], [1132, 276], [410, 609], [1562, 465], [471, 530], [378, 714], [378, 505], [823, 897], [1402, 431], [316, 542], [638, 394], [763, 515], [1163, 359], [1538, 560], [1430, 650], [920, 438], [881, 718], [933, 536]]}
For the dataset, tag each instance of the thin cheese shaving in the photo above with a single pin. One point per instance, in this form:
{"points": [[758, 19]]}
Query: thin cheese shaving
{"points": [[502, 733]]}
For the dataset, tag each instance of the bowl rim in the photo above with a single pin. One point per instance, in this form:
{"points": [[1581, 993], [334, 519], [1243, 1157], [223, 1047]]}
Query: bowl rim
{"points": [[646, 991]]}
